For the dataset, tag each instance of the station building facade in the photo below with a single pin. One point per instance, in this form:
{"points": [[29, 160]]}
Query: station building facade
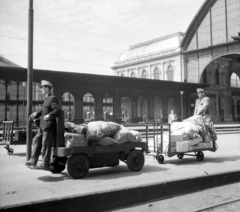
{"points": [[150, 79], [212, 56], [206, 53], [157, 59]]}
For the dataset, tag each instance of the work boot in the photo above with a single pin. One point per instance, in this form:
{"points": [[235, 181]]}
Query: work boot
{"points": [[40, 167], [29, 163]]}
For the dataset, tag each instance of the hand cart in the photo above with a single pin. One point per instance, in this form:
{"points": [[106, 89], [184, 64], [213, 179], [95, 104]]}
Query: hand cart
{"points": [[168, 151], [80, 159], [13, 136]]}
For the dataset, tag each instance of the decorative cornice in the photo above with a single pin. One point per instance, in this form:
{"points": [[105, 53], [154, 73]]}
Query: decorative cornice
{"points": [[157, 39], [147, 57]]}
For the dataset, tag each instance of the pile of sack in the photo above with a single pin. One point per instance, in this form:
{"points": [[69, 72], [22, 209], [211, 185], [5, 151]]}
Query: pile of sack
{"points": [[190, 135], [98, 133]]}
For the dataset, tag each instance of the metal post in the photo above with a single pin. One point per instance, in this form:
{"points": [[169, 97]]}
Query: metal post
{"points": [[147, 137], [29, 78], [181, 92], [69, 107], [17, 118], [154, 135], [161, 139], [23, 84], [6, 100]]}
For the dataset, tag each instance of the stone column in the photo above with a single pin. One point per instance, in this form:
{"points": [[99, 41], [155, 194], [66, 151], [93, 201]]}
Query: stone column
{"points": [[162, 72], [217, 118], [17, 106], [165, 110], [117, 112], [78, 110], [228, 107], [98, 108], [134, 112], [151, 108]]}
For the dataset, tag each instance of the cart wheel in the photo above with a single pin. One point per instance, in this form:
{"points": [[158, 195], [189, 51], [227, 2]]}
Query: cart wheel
{"points": [[200, 156], [160, 159], [78, 166], [180, 156], [57, 168], [135, 160], [10, 151]]}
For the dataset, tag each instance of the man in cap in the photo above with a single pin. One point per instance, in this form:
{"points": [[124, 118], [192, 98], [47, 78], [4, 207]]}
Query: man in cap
{"points": [[50, 110], [202, 107]]}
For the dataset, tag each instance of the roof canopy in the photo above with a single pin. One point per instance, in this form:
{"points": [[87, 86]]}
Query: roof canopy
{"points": [[80, 79]]}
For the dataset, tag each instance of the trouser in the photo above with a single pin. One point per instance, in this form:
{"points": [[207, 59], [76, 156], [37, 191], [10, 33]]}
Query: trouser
{"points": [[42, 141], [208, 120]]}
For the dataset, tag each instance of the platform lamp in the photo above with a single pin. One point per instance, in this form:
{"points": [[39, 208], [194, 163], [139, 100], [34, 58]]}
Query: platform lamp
{"points": [[181, 92], [24, 85]]}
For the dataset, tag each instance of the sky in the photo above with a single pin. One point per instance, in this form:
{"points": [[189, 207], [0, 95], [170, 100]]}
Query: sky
{"points": [[87, 36]]}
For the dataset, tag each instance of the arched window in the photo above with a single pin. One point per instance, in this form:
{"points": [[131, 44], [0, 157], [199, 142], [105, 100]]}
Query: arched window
{"points": [[126, 109], [170, 73], [156, 73], [107, 107], [88, 106], [68, 106], [235, 81], [133, 74], [191, 71], [122, 75], [144, 74]]}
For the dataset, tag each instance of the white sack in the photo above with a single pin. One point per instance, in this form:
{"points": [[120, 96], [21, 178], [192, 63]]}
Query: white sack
{"points": [[124, 135], [106, 141], [187, 128], [98, 129], [74, 128], [74, 139]]}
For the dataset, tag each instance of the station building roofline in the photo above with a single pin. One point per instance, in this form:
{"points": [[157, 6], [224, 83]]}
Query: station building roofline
{"points": [[83, 79], [196, 21], [156, 39], [150, 46]]}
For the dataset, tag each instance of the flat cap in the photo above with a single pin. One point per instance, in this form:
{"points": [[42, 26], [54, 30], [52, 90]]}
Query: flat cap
{"points": [[199, 90], [45, 83]]}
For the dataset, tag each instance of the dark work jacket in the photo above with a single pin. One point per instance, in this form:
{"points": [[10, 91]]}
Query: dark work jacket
{"points": [[52, 108]]}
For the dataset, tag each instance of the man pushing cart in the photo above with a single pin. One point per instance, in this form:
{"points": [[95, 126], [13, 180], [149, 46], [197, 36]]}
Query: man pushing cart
{"points": [[194, 135]]}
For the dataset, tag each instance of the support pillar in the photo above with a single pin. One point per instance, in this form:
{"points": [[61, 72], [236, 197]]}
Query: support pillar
{"points": [[98, 108], [117, 112], [6, 99], [151, 109], [78, 111], [165, 110], [17, 105], [134, 110], [181, 92]]}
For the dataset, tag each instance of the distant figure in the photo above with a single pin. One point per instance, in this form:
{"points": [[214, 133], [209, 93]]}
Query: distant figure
{"points": [[172, 117]]}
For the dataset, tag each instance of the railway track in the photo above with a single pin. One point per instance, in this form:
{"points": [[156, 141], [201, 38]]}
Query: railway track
{"points": [[223, 206]]}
